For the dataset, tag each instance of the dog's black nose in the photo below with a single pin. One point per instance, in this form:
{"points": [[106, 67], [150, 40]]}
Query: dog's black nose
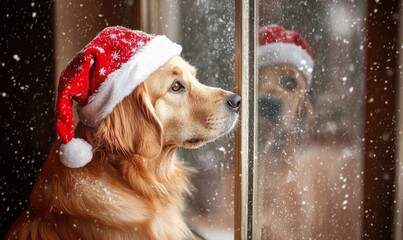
{"points": [[270, 108], [234, 102]]}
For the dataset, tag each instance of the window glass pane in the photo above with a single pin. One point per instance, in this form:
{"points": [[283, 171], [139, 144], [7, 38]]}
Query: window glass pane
{"points": [[206, 31], [208, 39], [310, 94]]}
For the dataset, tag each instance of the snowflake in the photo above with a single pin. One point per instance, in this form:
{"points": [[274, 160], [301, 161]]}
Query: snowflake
{"points": [[16, 57], [102, 71], [115, 55]]}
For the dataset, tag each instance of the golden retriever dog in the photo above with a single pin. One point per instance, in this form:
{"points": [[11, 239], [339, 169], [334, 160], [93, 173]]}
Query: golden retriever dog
{"points": [[309, 186], [134, 188]]}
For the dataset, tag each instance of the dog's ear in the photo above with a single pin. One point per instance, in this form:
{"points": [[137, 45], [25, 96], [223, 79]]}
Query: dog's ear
{"points": [[132, 127]]}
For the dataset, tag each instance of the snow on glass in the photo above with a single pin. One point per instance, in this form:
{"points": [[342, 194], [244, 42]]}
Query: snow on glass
{"points": [[310, 185]]}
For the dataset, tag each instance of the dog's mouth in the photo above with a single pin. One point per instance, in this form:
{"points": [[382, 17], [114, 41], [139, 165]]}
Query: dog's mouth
{"points": [[224, 128], [195, 140]]}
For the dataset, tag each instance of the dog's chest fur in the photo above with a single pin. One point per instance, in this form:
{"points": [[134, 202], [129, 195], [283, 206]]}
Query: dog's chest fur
{"points": [[100, 202]]}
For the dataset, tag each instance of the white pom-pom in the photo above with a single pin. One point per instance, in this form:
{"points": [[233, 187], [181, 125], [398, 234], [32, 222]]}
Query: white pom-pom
{"points": [[76, 153]]}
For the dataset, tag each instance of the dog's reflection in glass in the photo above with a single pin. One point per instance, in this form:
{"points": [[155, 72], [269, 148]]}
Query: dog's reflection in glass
{"points": [[285, 122]]}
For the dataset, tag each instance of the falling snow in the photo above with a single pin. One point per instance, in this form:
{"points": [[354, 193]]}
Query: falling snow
{"points": [[16, 57]]}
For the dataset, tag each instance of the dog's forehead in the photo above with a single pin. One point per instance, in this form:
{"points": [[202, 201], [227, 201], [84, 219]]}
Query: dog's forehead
{"points": [[180, 66], [280, 70], [175, 68]]}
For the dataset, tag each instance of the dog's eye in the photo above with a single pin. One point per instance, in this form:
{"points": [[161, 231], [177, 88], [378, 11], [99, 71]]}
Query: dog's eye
{"points": [[177, 86], [289, 83]]}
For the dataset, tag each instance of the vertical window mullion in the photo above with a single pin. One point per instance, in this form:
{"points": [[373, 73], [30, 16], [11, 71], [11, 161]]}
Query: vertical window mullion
{"points": [[246, 83], [398, 213], [380, 129]]}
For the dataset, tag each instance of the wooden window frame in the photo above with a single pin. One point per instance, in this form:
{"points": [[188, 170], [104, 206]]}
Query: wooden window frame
{"points": [[380, 144], [245, 147]]}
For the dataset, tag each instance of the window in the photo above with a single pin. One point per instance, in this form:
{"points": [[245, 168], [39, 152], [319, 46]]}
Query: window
{"points": [[305, 158], [315, 153]]}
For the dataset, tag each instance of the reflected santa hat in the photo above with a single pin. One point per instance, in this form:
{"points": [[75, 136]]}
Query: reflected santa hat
{"points": [[277, 45], [99, 77]]}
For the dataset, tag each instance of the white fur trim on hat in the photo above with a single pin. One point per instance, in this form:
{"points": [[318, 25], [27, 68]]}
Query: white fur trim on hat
{"points": [[76, 153], [280, 52], [124, 80]]}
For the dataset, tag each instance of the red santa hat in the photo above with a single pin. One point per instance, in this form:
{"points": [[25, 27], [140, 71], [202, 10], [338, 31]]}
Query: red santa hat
{"points": [[99, 77], [277, 45]]}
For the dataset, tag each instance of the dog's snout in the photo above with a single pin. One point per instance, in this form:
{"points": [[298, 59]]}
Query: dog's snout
{"points": [[234, 102], [269, 107]]}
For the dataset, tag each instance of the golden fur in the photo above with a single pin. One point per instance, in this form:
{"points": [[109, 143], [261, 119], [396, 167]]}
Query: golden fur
{"points": [[133, 188]]}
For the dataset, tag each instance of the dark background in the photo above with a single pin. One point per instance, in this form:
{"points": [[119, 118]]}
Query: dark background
{"points": [[27, 86], [26, 100]]}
